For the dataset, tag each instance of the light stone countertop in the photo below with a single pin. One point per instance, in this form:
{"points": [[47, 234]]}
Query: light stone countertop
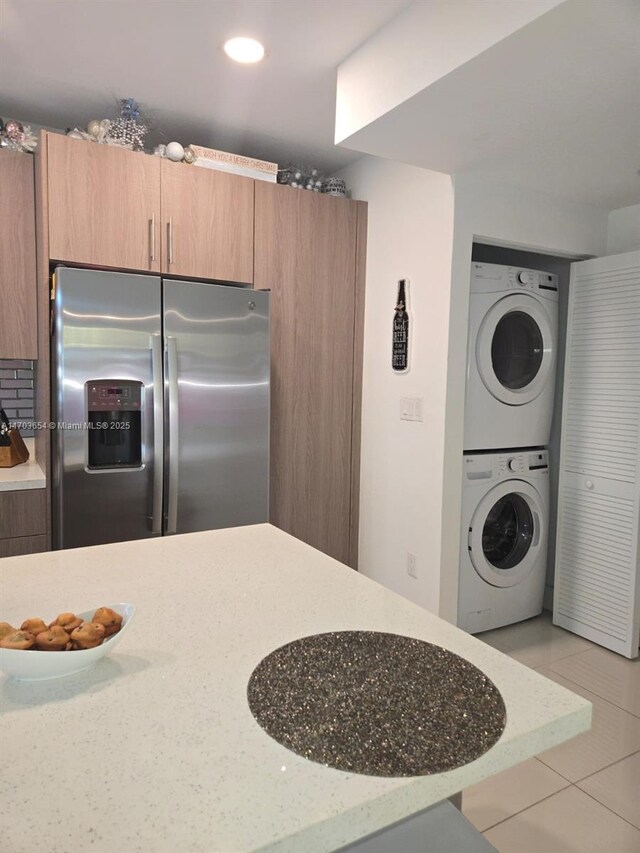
{"points": [[27, 475], [155, 748]]}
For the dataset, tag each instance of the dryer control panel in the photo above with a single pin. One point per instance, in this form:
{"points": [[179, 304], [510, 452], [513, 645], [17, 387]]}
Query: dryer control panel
{"points": [[494, 278], [521, 279], [488, 466]]}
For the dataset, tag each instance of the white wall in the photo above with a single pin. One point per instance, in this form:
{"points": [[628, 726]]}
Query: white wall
{"points": [[410, 236], [422, 44], [509, 216], [623, 230]]}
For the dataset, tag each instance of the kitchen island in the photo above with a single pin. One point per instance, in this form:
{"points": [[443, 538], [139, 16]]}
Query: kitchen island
{"points": [[155, 748]]}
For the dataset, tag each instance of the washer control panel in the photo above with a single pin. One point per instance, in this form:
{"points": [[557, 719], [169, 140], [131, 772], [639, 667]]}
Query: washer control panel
{"points": [[488, 466], [521, 462]]}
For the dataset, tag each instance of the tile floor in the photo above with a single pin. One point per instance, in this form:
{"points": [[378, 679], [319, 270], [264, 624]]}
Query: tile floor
{"points": [[584, 795]]}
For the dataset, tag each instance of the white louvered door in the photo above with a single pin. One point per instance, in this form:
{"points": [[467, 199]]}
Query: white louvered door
{"points": [[597, 579]]}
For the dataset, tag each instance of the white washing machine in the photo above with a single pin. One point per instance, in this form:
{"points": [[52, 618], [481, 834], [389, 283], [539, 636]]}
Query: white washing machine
{"points": [[503, 547], [511, 357]]}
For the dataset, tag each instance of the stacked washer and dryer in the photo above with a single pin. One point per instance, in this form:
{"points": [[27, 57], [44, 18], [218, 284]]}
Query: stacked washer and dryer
{"points": [[511, 366]]}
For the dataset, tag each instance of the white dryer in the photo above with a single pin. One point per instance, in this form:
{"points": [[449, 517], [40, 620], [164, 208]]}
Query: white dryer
{"points": [[511, 357], [503, 547]]}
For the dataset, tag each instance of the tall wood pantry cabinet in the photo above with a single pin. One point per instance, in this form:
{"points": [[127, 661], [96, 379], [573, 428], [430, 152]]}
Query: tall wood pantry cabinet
{"points": [[18, 324], [309, 251]]}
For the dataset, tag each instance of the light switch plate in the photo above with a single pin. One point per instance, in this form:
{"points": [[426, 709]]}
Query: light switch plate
{"points": [[411, 409]]}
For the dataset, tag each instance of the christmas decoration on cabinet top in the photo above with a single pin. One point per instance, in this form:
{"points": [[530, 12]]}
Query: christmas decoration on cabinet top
{"points": [[128, 130], [16, 136], [305, 178], [300, 177]]}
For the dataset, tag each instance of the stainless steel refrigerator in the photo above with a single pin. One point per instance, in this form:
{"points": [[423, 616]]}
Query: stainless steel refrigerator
{"points": [[160, 392]]}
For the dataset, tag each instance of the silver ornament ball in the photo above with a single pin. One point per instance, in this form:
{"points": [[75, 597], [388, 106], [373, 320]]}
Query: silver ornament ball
{"points": [[94, 128], [175, 151]]}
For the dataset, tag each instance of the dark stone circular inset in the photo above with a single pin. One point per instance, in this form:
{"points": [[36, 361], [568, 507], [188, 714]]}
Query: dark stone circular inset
{"points": [[376, 703]]}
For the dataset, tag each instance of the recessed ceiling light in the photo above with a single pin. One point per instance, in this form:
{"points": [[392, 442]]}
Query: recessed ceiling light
{"points": [[244, 49]]}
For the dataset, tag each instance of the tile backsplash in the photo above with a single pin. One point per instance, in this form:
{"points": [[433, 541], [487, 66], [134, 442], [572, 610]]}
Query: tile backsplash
{"points": [[17, 392]]}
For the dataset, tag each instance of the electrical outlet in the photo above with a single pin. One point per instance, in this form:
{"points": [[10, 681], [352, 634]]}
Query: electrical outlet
{"points": [[412, 568]]}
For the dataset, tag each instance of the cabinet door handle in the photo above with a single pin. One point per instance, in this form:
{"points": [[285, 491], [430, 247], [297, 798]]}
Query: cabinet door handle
{"points": [[152, 237], [170, 234]]}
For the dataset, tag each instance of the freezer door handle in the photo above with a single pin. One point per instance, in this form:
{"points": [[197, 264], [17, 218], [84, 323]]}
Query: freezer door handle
{"points": [[158, 430], [171, 380]]}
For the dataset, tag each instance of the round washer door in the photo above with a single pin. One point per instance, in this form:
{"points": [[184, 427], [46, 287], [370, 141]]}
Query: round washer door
{"points": [[515, 351], [506, 533]]}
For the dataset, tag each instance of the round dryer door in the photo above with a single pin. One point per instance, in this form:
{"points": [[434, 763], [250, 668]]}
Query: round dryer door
{"points": [[515, 350], [506, 533]]}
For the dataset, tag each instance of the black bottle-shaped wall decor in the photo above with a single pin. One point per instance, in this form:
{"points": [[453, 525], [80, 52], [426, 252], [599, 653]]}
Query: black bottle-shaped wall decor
{"points": [[400, 344]]}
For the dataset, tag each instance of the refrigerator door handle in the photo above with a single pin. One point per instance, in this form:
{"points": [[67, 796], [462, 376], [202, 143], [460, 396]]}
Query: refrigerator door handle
{"points": [[158, 430], [171, 350]]}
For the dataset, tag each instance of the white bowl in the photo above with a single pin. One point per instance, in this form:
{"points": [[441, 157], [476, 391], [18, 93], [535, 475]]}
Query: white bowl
{"points": [[29, 665]]}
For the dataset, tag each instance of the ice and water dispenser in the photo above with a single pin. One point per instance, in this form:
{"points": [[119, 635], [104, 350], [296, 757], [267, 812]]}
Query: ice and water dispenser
{"points": [[114, 418]]}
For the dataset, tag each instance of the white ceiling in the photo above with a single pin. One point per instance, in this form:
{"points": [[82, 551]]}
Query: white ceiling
{"points": [[64, 62], [553, 107]]}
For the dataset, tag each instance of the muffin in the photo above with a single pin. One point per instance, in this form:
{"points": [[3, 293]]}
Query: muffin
{"points": [[54, 639], [68, 621], [33, 626], [111, 620], [18, 640], [6, 629], [88, 635]]}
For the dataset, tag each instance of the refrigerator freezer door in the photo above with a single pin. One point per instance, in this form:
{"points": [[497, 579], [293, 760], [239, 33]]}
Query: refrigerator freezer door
{"points": [[106, 360], [217, 369]]}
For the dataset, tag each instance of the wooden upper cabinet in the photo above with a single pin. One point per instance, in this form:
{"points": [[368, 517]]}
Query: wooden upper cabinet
{"points": [[18, 321], [306, 251], [207, 221], [109, 207], [104, 205]]}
